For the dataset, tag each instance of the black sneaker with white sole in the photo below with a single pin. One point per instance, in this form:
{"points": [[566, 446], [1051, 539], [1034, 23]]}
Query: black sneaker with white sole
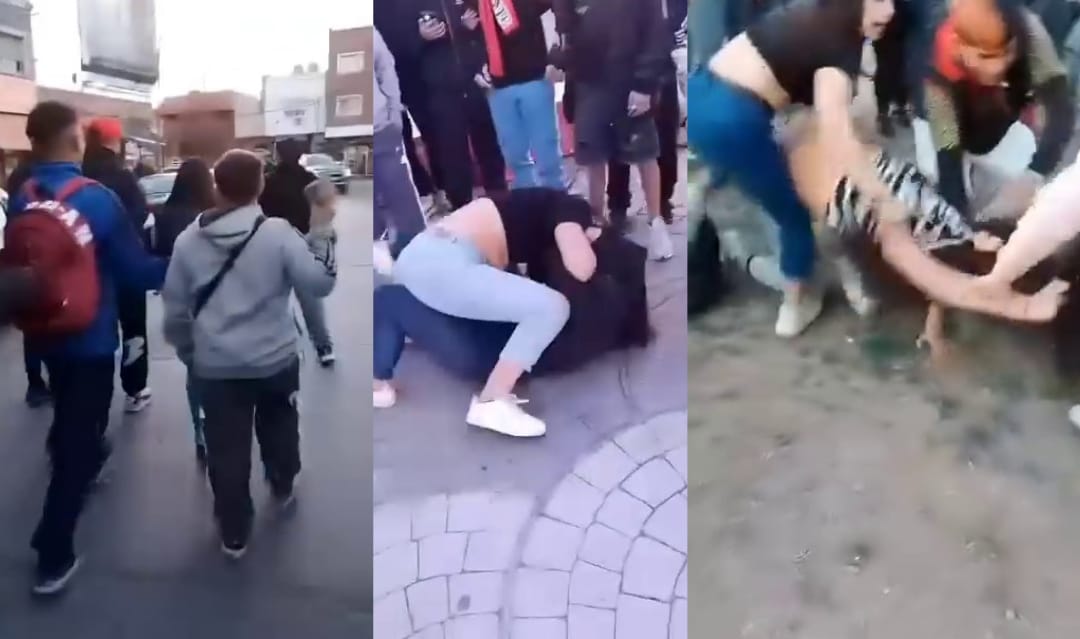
{"points": [[326, 356], [234, 549], [53, 582]]}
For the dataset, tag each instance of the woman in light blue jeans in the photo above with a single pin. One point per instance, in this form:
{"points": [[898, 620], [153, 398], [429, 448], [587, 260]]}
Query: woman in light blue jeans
{"points": [[525, 121], [460, 267]]}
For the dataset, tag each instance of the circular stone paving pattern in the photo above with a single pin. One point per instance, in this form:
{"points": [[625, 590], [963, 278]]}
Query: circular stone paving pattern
{"points": [[607, 557]]}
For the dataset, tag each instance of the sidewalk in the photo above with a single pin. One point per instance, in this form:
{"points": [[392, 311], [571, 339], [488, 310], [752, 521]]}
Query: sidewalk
{"points": [[579, 534], [152, 565]]}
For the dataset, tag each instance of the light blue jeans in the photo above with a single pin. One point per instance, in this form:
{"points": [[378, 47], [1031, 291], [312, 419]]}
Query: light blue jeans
{"points": [[451, 276], [528, 131]]}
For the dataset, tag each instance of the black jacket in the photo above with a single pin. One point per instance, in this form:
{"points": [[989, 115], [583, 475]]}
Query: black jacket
{"points": [[170, 222], [524, 52], [283, 195], [106, 167], [451, 62]]}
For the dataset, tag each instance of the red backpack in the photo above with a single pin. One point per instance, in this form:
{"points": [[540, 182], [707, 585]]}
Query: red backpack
{"points": [[55, 243]]}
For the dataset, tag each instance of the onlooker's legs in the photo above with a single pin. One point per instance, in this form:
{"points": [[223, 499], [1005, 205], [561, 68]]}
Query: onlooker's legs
{"points": [[397, 202], [229, 406], [507, 112], [277, 427], [421, 177], [618, 191], [667, 131], [484, 140], [422, 117], [134, 365], [537, 106], [594, 143], [37, 391], [314, 311], [452, 153]]}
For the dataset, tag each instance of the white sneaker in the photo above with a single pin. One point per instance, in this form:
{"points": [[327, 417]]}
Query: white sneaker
{"points": [[660, 247], [381, 259], [794, 317], [1074, 415], [384, 397], [504, 416], [851, 281], [138, 401]]}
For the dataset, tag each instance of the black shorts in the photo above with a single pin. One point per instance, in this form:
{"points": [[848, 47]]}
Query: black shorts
{"points": [[603, 131]]}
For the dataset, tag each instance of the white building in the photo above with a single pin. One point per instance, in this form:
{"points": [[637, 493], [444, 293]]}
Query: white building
{"points": [[295, 104]]}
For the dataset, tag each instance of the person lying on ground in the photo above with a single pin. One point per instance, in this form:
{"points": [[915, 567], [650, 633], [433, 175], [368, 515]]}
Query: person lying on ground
{"points": [[806, 54], [459, 267], [992, 61], [608, 312]]}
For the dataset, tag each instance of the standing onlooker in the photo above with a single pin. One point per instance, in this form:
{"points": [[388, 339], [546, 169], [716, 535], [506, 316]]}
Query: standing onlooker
{"points": [[890, 74], [192, 193], [522, 98], [451, 57], [226, 301], [104, 163], [620, 52], [81, 364], [397, 203], [284, 197]]}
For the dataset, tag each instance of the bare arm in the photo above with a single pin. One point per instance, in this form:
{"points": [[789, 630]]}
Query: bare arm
{"points": [[576, 250]]}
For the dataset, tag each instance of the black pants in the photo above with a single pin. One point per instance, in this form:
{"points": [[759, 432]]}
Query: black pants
{"points": [[462, 121], [135, 362], [666, 114], [421, 178], [33, 366], [417, 105], [891, 75], [82, 392], [232, 407]]}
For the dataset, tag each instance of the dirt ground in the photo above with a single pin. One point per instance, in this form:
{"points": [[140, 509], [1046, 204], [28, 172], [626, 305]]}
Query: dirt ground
{"points": [[843, 487]]}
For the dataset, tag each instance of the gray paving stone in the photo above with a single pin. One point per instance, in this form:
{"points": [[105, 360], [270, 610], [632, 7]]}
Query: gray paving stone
{"points": [[593, 586], [640, 443], [669, 523], [511, 511], [394, 568], [442, 554], [637, 618], [390, 526], [538, 629], [467, 512], [431, 632], [670, 429], [606, 467], [680, 583], [390, 617], [541, 593], [651, 569], [472, 627], [654, 482], [605, 547], [552, 544], [590, 623], [678, 459], [574, 501], [624, 513], [429, 516], [428, 602], [475, 593], [679, 620], [490, 550]]}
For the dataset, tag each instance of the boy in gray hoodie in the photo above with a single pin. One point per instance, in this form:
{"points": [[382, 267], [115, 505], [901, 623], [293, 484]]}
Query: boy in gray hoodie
{"points": [[226, 299]]}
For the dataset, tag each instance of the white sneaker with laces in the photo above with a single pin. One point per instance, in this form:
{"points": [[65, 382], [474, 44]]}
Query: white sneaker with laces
{"points": [[660, 246], [795, 316], [137, 402], [504, 416], [384, 397], [381, 258]]}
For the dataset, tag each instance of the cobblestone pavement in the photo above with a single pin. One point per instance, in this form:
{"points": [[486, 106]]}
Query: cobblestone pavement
{"points": [[479, 536]]}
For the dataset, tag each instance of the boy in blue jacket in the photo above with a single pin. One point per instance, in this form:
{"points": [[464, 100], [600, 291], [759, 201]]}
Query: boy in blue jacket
{"points": [[82, 365]]}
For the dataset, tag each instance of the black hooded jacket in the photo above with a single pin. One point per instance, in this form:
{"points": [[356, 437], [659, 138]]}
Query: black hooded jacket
{"points": [[283, 195], [106, 166], [452, 61]]}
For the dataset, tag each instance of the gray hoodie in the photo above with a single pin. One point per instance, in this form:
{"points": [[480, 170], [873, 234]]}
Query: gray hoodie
{"points": [[387, 90], [247, 329]]}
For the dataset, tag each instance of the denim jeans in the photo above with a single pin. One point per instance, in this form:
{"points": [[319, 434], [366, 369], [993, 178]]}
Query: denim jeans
{"points": [[528, 133]]}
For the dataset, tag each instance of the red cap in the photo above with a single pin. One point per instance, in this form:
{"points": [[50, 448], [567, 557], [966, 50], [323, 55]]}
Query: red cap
{"points": [[109, 129]]}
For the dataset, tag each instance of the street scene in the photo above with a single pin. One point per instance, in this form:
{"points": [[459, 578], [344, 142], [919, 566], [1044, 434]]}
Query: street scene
{"points": [[182, 454], [859, 481]]}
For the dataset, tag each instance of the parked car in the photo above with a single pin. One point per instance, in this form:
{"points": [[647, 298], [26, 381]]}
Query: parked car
{"points": [[326, 167], [157, 188]]}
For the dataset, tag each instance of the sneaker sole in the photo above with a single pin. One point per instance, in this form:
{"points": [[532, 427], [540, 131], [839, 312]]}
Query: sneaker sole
{"points": [[60, 584], [502, 432], [234, 555]]}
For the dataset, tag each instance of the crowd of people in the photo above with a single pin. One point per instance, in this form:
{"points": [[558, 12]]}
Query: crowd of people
{"points": [[990, 195], [228, 251], [524, 277]]}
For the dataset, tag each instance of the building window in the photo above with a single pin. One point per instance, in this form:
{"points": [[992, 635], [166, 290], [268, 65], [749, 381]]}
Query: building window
{"points": [[12, 52], [349, 106], [351, 62]]}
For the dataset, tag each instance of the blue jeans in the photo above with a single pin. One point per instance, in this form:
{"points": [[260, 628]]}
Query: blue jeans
{"points": [[731, 131], [528, 133], [451, 276]]}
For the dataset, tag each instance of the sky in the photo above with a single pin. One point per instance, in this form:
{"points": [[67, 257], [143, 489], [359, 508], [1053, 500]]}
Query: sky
{"points": [[208, 45]]}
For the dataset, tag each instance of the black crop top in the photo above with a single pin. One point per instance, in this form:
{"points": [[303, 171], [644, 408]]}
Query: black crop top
{"points": [[798, 40], [529, 218]]}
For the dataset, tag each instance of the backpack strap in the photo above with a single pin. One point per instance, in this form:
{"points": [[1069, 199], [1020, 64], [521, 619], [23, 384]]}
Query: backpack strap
{"points": [[203, 295], [31, 190], [73, 186]]}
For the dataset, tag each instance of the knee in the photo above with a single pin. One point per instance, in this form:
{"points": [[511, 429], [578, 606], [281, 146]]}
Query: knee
{"points": [[555, 311]]}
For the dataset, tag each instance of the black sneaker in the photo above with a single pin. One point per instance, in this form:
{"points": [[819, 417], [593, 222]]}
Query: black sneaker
{"points": [[38, 396], [234, 549], [885, 125], [667, 213], [200, 455], [617, 220], [326, 356], [53, 582]]}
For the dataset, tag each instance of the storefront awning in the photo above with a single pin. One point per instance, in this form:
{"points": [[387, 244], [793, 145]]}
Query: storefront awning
{"points": [[13, 132]]}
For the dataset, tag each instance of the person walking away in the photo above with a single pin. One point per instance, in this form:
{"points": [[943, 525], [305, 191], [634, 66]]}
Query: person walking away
{"points": [[890, 74], [192, 193], [451, 57], [227, 313], [397, 204], [283, 197], [74, 326], [520, 92], [667, 117], [104, 163], [619, 52]]}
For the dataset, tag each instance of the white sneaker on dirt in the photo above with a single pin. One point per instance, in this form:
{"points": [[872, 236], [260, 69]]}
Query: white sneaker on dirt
{"points": [[381, 258], [858, 298], [795, 316], [504, 416], [384, 397], [660, 246], [138, 401]]}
